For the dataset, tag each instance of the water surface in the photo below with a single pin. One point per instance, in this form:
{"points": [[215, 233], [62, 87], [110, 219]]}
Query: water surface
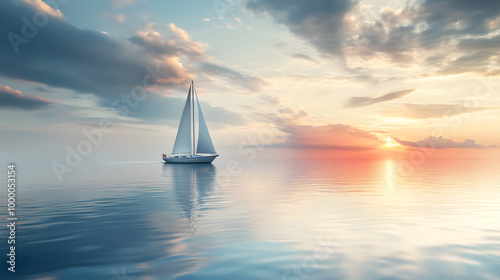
{"points": [[259, 219]]}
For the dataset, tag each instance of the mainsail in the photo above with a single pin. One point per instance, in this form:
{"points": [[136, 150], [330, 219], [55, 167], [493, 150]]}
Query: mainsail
{"points": [[183, 139], [205, 145]]}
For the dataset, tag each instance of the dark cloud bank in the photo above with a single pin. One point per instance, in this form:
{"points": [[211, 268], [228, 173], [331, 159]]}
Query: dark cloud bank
{"points": [[454, 32], [58, 54]]}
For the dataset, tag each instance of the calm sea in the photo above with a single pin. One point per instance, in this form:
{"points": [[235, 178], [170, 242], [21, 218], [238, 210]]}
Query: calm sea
{"points": [[257, 218]]}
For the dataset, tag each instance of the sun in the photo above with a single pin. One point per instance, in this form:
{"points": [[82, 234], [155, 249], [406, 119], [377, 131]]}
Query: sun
{"points": [[389, 142]]}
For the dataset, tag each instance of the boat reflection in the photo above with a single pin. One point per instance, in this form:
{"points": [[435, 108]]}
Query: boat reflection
{"points": [[192, 183]]}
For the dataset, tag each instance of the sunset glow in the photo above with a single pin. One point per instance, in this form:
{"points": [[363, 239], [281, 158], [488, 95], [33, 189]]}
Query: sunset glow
{"points": [[390, 142]]}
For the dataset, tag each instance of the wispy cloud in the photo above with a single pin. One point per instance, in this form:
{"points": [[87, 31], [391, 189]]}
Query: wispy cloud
{"points": [[358, 101], [304, 57], [119, 18], [160, 108], [427, 111], [122, 3], [14, 99], [243, 80]]}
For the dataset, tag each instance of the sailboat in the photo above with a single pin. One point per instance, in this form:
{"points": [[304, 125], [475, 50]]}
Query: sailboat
{"points": [[185, 148]]}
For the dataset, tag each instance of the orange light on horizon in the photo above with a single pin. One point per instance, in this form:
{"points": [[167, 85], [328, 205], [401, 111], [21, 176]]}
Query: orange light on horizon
{"points": [[389, 142]]}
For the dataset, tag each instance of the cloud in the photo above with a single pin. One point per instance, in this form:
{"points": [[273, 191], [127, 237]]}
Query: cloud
{"points": [[470, 17], [177, 44], [119, 18], [304, 57], [439, 143], [273, 100], [85, 61], [423, 30], [358, 101], [159, 108], [14, 99], [41, 89], [280, 116], [320, 22], [427, 111], [122, 3], [478, 55], [245, 81], [332, 136], [41, 6], [439, 33]]}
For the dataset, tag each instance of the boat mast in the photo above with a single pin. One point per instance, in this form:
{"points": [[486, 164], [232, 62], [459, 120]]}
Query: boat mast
{"points": [[192, 110]]}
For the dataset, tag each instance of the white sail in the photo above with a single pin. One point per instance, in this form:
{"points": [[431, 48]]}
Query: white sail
{"points": [[183, 139], [205, 145]]}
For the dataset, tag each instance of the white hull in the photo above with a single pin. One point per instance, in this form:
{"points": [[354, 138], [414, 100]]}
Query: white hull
{"points": [[189, 158]]}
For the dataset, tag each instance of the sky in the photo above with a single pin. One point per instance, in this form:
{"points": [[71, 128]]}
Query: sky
{"points": [[346, 76]]}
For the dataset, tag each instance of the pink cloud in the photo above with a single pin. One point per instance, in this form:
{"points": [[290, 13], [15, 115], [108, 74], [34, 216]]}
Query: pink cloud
{"points": [[14, 99], [332, 136]]}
